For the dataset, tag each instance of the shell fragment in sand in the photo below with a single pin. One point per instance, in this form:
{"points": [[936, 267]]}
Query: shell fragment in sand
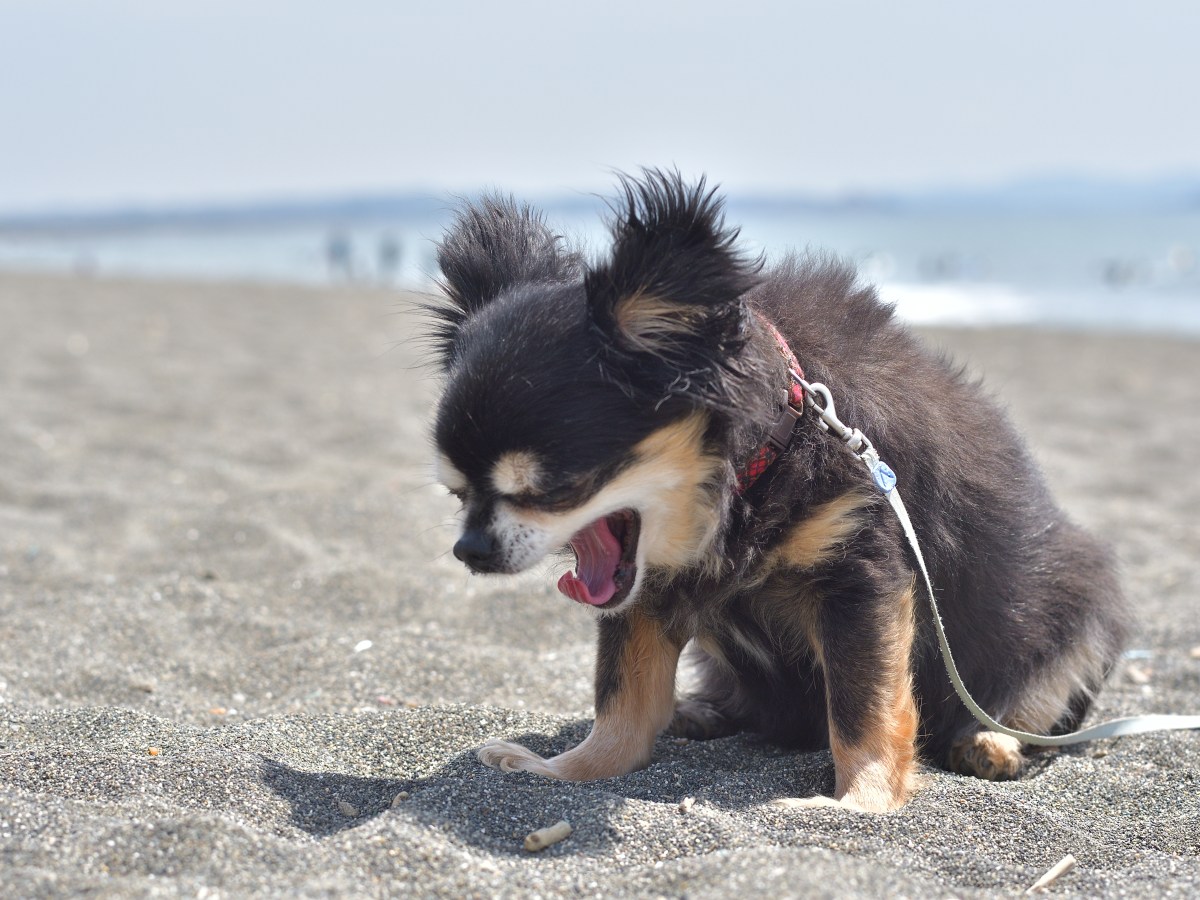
{"points": [[1057, 871], [544, 837]]}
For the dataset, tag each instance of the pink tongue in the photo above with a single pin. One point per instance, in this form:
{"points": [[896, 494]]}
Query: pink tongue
{"points": [[597, 554]]}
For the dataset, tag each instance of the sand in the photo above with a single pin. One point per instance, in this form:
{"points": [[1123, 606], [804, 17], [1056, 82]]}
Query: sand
{"points": [[236, 658]]}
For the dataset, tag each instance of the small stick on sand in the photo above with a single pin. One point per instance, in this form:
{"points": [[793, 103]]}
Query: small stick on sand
{"points": [[544, 837], [1060, 868]]}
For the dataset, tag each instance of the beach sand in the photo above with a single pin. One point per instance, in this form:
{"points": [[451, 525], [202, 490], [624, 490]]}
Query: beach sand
{"points": [[236, 657]]}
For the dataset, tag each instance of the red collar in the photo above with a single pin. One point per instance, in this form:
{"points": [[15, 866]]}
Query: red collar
{"points": [[780, 435]]}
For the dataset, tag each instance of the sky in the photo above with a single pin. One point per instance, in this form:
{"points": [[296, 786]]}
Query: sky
{"points": [[149, 103]]}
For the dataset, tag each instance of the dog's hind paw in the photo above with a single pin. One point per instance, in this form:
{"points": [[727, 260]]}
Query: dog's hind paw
{"points": [[988, 755], [698, 720]]}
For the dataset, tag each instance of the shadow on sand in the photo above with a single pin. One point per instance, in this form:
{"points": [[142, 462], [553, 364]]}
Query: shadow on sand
{"points": [[487, 809]]}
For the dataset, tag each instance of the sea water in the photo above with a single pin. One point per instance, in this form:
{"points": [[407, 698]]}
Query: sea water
{"points": [[1138, 271]]}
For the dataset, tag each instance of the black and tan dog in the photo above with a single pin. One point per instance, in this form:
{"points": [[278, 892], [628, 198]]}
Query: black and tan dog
{"points": [[625, 408]]}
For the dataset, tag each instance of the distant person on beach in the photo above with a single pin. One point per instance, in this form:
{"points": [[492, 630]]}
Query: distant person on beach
{"points": [[388, 256], [339, 255]]}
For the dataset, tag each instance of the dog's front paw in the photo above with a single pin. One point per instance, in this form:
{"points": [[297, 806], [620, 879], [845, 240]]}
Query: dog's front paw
{"points": [[510, 757], [870, 803], [817, 802]]}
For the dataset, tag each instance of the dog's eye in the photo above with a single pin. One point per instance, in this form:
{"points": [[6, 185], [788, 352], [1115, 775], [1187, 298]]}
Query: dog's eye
{"points": [[459, 494], [558, 498]]}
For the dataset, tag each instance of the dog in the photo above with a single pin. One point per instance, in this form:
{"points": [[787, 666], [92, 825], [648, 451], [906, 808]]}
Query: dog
{"points": [[639, 409]]}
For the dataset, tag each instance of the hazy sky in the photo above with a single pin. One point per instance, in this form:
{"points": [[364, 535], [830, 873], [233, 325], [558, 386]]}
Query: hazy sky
{"points": [[155, 101]]}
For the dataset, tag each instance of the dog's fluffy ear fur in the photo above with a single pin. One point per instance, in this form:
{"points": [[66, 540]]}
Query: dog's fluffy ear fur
{"points": [[493, 245], [669, 297]]}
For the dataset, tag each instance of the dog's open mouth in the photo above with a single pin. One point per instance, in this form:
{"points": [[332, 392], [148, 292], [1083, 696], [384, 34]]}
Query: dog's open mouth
{"points": [[605, 560]]}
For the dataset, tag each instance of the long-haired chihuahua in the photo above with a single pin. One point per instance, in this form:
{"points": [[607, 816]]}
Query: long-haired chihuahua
{"points": [[640, 410]]}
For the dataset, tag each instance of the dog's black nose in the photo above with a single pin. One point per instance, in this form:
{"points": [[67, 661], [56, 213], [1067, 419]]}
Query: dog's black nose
{"points": [[476, 548]]}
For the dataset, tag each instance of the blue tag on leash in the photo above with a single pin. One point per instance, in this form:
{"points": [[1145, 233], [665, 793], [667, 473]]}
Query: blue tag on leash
{"points": [[884, 477]]}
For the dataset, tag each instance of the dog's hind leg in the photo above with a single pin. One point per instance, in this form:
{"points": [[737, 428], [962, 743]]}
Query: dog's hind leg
{"points": [[999, 757], [702, 713], [1061, 648], [635, 692], [1055, 701]]}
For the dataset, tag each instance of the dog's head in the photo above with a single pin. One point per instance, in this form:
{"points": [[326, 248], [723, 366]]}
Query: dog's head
{"points": [[584, 405]]}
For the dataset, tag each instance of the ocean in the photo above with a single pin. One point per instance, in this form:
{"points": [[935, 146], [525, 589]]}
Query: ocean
{"points": [[1105, 270]]}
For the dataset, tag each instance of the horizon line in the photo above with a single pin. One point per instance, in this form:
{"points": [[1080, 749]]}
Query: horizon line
{"points": [[1045, 189]]}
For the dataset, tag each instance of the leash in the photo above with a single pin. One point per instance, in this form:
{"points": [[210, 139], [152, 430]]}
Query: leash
{"points": [[885, 480]]}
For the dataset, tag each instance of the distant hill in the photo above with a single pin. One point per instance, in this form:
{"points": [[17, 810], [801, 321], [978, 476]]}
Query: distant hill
{"points": [[1042, 194], [1067, 193]]}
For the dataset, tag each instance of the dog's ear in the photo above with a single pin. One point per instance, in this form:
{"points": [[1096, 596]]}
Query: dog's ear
{"points": [[669, 297], [492, 245]]}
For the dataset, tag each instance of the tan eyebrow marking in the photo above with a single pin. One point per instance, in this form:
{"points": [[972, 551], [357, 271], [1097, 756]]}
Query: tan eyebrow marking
{"points": [[516, 472]]}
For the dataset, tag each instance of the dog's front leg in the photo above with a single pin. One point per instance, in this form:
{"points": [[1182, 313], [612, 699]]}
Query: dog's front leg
{"points": [[863, 642], [635, 697]]}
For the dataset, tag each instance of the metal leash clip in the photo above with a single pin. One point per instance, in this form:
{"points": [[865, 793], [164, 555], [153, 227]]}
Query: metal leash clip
{"points": [[857, 442]]}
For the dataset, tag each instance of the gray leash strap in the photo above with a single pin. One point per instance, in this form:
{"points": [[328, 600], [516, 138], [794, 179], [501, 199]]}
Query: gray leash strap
{"points": [[885, 480]]}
